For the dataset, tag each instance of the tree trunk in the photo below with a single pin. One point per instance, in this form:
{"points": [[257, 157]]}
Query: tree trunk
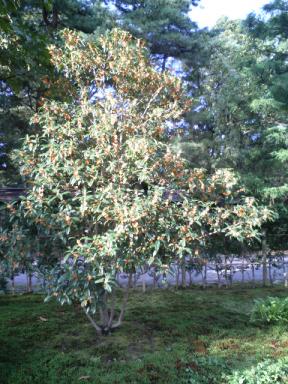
{"points": [[144, 283], [242, 271], [231, 273], [253, 275], [270, 272], [154, 279], [204, 279], [135, 279], [264, 257], [107, 314], [190, 278], [13, 284], [225, 273], [183, 274], [177, 276], [163, 67], [218, 276], [94, 324], [124, 304], [30, 282], [285, 277]]}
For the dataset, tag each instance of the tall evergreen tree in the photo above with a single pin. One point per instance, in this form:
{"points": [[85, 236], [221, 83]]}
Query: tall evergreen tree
{"points": [[239, 118], [164, 24]]}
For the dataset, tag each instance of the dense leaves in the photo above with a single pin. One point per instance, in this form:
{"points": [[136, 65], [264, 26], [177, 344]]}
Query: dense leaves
{"points": [[103, 180]]}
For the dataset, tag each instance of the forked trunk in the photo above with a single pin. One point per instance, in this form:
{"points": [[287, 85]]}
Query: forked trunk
{"points": [[107, 314]]}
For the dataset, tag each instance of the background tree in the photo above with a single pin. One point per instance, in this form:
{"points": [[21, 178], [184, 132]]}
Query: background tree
{"points": [[237, 120], [27, 28], [165, 25]]}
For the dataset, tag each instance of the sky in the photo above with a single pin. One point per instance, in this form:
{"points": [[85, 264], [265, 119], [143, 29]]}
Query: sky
{"points": [[209, 11]]}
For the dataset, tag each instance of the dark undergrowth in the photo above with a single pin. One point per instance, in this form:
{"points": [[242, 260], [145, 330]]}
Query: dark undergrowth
{"points": [[192, 336]]}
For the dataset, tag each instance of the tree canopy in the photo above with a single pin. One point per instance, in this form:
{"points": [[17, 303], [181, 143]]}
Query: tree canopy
{"points": [[103, 181]]}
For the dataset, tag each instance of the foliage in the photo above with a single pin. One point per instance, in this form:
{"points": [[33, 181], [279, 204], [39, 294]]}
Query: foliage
{"points": [[165, 25], [27, 28], [271, 32], [205, 370], [244, 130], [266, 372], [271, 310]]}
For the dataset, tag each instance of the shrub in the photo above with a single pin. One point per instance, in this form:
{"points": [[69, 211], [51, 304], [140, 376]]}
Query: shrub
{"points": [[205, 370], [270, 310], [266, 372]]}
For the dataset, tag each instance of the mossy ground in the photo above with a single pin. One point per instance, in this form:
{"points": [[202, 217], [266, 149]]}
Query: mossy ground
{"points": [[166, 334]]}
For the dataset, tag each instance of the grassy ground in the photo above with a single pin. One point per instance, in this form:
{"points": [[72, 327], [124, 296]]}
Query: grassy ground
{"points": [[191, 336]]}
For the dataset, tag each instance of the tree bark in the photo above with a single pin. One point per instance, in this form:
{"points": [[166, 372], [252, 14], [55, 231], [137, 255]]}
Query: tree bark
{"points": [[270, 272], [30, 282], [177, 276], [143, 283], [218, 276], [264, 257], [96, 327], [124, 304], [253, 274], [183, 274], [163, 68], [205, 276], [13, 284]]}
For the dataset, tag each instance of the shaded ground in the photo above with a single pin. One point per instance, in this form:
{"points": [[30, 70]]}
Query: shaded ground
{"points": [[168, 337]]}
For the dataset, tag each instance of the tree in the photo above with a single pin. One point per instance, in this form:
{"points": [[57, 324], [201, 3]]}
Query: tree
{"points": [[164, 24], [105, 183], [273, 69], [239, 117]]}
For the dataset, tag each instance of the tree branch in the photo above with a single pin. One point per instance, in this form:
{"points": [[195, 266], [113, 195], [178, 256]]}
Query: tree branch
{"points": [[124, 304], [97, 328]]}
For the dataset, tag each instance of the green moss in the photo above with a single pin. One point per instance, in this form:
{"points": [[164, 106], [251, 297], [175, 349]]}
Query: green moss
{"points": [[166, 336]]}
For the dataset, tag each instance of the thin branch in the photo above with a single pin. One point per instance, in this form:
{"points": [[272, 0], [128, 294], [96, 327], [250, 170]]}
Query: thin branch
{"points": [[152, 99]]}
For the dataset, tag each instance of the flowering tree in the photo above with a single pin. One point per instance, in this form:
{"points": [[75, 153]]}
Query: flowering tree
{"points": [[104, 183]]}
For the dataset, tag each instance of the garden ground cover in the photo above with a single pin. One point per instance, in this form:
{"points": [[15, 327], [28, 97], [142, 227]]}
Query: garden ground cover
{"points": [[169, 336]]}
